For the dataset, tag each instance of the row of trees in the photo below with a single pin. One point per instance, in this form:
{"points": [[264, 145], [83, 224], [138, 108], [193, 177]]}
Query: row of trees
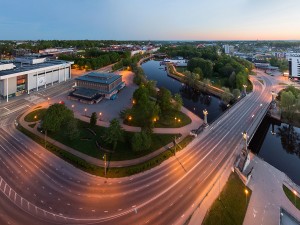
{"points": [[93, 59], [283, 64]]}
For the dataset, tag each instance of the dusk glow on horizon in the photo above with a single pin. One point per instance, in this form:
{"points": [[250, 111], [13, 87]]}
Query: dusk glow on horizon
{"points": [[150, 20]]}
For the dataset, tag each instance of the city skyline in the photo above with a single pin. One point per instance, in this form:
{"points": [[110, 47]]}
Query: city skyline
{"points": [[142, 20]]}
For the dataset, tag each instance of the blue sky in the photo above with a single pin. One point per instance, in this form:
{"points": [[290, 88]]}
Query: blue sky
{"points": [[150, 19]]}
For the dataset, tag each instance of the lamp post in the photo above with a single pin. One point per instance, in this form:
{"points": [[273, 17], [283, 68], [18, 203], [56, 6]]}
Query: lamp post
{"points": [[100, 114], [48, 100], [245, 137], [175, 145], [295, 194], [104, 157], [85, 111], [205, 113], [246, 193], [245, 89]]}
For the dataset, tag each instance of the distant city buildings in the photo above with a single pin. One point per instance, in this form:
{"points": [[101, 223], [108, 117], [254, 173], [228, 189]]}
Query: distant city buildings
{"points": [[24, 75], [228, 49], [294, 65]]}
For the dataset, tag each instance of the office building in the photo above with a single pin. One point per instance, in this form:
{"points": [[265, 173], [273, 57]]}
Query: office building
{"points": [[294, 65], [24, 75]]}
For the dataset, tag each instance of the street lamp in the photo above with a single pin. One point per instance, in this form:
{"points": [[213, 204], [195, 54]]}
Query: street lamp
{"points": [[100, 114], [246, 193], [104, 157], [295, 194], [245, 137], [35, 117], [85, 111], [245, 90], [205, 113], [48, 100]]}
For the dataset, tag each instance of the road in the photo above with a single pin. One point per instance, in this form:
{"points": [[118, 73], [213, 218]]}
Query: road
{"points": [[40, 188]]}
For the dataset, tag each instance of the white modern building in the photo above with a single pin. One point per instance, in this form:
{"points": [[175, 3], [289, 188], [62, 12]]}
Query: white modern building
{"points": [[294, 65], [228, 49], [24, 75]]}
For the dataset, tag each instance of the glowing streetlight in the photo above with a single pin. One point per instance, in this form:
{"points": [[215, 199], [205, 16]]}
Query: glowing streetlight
{"points": [[85, 111], [35, 117], [295, 194], [245, 137], [246, 193], [100, 114], [130, 118], [205, 113], [48, 100], [245, 89], [104, 157]]}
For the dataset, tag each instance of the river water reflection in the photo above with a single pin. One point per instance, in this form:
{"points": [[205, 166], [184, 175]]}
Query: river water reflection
{"points": [[279, 145], [194, 101]]}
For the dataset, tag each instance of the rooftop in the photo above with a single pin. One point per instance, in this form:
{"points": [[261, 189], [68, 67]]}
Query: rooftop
{"points": [[103, 78], [22, 67]]}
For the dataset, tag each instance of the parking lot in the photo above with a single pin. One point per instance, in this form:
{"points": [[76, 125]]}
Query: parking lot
{"points": [[109, 109]]}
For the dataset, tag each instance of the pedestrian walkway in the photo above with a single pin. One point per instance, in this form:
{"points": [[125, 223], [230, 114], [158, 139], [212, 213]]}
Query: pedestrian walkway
{"points": [[184, 131], [267, 195]]}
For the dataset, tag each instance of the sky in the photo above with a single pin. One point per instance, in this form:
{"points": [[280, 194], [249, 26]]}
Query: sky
{"points": [[150, 19]]}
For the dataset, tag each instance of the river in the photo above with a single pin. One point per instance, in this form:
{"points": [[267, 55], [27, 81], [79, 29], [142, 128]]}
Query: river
{"points": [[194, 101], [279, 145]]}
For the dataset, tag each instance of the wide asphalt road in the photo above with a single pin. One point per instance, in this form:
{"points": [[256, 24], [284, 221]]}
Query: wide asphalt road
{"points": [[37, 187]]}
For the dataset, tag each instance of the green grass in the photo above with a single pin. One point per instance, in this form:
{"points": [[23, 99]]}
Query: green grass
{"points": [[231, 208], [291, 196], [86, 143], [99, 171], [35, 115]]}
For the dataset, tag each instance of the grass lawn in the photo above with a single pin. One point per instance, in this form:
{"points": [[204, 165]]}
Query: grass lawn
{"points": [[231, 208], [99, 171], [35, 115], [165, 121], [86, 143], [218, 82], [291, 196]]}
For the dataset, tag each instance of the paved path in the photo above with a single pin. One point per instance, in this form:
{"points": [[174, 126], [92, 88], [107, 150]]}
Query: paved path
{"points": [[184, 131], [267, 195]]}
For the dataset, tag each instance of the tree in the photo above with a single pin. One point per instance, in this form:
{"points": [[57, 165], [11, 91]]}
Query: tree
{"points": [[72, 129], [226, 95], [191, 79], [287, 99], [164, 100], [241, 79], [232, 80], [178, 102], [141, 141], [113, 133], [93, 119], [55, 116], [198, 71], [205, 65], [236, 93]]}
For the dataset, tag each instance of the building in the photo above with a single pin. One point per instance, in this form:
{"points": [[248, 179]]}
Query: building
{"points": [[294, 65], [25, 75], [91, 88], [177, 61], [228, 49]]}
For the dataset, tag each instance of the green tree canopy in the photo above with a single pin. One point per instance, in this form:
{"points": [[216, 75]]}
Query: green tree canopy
{"points": [[93, 119], [55, 116], [113, 133]]}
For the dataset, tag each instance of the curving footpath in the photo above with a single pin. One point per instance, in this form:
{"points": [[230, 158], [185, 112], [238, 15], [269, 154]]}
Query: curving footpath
{"points": [[184, 131]]}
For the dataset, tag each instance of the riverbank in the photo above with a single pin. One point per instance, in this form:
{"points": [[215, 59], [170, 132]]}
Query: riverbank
{"points": [[172, 72]]}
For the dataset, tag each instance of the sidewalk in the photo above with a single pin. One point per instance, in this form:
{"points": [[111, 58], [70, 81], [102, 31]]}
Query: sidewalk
{"points": [[267, 195], [184, 131]]}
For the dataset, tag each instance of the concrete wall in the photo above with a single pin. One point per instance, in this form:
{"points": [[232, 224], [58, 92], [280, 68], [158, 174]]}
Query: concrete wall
{"points": [[12, 86]]}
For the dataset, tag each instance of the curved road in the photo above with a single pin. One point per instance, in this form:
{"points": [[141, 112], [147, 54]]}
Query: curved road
{"points": [[36, 187]]}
